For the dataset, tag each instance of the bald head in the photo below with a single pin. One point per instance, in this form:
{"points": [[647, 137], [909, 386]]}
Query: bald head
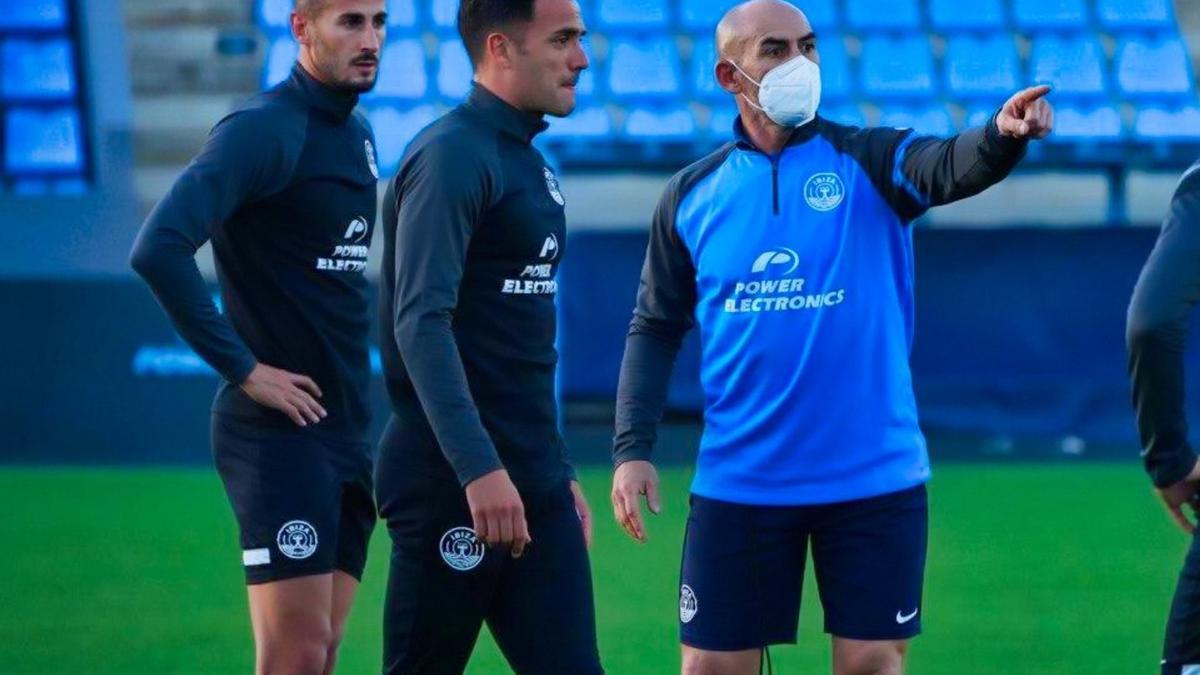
{"points": [[311, 8], [749, 22]]}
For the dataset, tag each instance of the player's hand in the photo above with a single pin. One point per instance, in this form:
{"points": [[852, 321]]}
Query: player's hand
{"points": [[631, 480], [497, 512], [1027, 114], [1184, 492], [293, 395], [584, 511]]}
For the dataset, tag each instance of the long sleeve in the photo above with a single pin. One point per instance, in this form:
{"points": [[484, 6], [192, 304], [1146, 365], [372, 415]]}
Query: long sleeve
{"points": [[666, 302], [1156, 335], [918, 172], [238, 163], [440, 195]]}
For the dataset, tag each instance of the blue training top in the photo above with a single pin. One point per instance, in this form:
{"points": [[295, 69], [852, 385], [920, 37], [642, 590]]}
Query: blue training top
{"points": [[798, 269]]}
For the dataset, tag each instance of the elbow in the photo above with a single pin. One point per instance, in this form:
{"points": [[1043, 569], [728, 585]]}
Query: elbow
{"points": [[142, 259], [1144, 331]]}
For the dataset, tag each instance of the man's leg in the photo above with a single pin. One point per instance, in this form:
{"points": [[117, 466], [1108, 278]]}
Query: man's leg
{"points": [[344, 588], [740, 584], [543, 616], [293, 631], [1181, 647], [869, 559], [868, 657]]}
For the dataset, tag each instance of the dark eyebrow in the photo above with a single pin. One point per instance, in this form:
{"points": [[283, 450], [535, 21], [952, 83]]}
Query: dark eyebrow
{"points": [[781, 42], [568, 33]]}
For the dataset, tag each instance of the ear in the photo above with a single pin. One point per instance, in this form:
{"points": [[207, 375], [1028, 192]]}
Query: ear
{"points": [[300, 26], [727, 77], [499, 49]]}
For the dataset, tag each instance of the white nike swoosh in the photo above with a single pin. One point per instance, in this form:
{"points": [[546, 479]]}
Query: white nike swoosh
{"points": [[902, 618]]}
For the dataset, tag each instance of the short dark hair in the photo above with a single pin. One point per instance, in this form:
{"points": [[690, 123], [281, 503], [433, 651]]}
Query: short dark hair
{"points": [[479, 18]]}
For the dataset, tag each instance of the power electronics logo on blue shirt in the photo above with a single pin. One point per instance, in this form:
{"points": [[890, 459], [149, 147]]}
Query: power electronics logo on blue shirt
{"points": [[824, 191], [764, 294]]}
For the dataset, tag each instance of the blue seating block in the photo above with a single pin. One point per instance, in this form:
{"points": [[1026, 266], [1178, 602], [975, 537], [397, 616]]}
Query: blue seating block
{"points": [[37, 69], [1156, 123], [281, 54], [587, 122], [394, 129], [703, 15], [984, 66], [720, 121], [1074, 66], [632, 14], [275, 15], [848, 114], [1050, 14], [648, 67], [948, 15], [700, 72], [443, 14], [836, 79], [34, 14], [1153, 67], [43, 141], [897, 67], [402, 14], [934, 121], [1135, 13], [402, 72], [883, 14], [1075, 123], [674, 123], [454, 72]]}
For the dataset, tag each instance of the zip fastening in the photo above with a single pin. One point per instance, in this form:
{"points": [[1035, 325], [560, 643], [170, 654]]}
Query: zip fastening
{"points": [[775, 182]]}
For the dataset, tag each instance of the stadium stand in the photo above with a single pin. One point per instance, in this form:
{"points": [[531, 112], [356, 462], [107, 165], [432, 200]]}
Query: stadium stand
{"points": [[42, 133], [1122, 78]]}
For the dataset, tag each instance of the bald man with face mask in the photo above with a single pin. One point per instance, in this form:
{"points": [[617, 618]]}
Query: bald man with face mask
{"points": [[791, 247]]}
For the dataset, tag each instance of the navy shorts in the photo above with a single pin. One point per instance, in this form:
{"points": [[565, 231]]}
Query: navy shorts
{"points": [[743, 569], [444, 583], [303, 503]]}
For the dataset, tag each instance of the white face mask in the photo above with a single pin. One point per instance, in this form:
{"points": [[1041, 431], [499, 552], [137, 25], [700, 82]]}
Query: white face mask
{"points": [[789, 93]]}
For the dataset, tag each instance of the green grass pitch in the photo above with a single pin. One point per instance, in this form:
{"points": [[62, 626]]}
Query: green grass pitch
{"points": [[1033, 569]]}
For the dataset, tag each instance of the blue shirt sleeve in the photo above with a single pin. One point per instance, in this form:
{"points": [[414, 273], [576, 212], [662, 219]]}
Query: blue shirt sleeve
{"points": [[245, 157]]}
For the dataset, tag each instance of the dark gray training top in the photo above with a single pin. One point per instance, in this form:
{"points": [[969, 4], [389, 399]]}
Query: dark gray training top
{"points": [[285, 187], [1157, 334], [474, 225]]}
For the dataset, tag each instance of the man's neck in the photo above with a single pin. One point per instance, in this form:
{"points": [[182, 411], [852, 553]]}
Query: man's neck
{"points": [[767, 136], [499, 89]]}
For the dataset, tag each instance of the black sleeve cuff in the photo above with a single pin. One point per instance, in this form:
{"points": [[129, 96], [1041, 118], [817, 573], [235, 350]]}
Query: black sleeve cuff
{"points": [[1167, 471]]}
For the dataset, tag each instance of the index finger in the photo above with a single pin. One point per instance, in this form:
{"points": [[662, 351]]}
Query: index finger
{"points": [[1027, 96], [520, 535], [1177, 514]]}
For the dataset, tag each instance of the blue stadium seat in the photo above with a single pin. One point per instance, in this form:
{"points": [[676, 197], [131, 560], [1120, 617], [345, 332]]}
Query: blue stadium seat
{"points": [[394, 128], [402, 14], [586, 85], [700, 70], [703, 15], [980, 115], [1073, 65], [454, 71], [720, 121], [1135, 13], [949, 15], [402, 72], [984, 66], [443, 14], [585, 122], [837, 82], [34, 14], [632, 14], [935, 121], [897, 67], [1075, 123], [280, 57], [646, 67], [849, 114], [652, 123], [822, 14], [37, 69], [883, 14], [43, 141], [1046, 14], [275, 15], [1161, 123], [1150, 67]]}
